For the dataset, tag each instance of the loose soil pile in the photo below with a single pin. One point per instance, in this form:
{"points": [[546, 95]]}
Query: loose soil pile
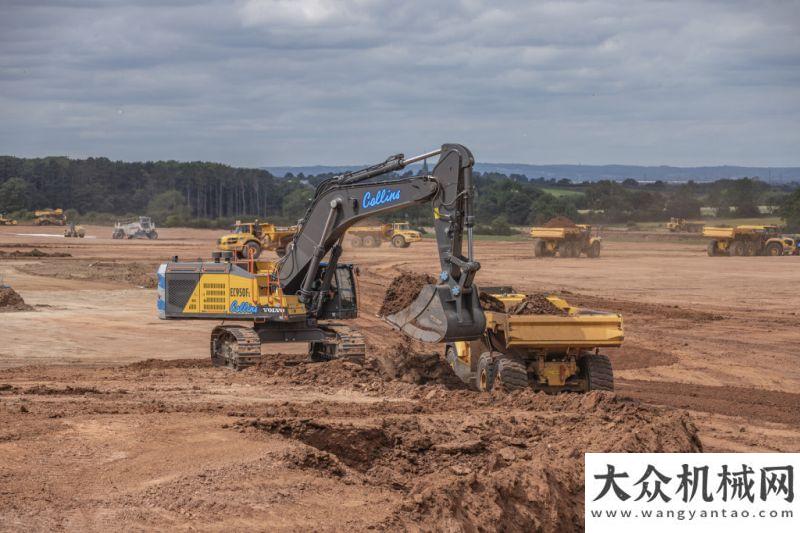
{"points": [[10, 300], [402, 292], [517, 468], [490, 303], [559, 222], [536, 304], [32, 253]]}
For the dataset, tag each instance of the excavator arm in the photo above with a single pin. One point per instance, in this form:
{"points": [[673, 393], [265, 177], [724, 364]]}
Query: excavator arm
{"points": [[445, 312]]}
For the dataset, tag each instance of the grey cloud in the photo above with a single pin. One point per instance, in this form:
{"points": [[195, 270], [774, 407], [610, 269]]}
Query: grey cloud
{"points": [[258, 82]]}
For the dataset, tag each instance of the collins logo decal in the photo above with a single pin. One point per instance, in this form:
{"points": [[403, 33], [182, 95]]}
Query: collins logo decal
{"points": [[383, 196], [243, 307]]}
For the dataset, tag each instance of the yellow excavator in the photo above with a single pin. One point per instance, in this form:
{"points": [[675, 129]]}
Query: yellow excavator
{"points": [[309, 296]]}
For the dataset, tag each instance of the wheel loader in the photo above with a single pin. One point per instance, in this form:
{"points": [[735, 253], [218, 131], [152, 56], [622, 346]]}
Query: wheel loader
{"points": [[551, 353], [744, 241], [571, 241], [399, 234], [251, 238], [309, 297]]}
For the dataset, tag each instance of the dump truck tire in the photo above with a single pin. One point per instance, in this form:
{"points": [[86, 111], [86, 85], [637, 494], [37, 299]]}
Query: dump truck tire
{"points": [[252, 245], [356, 242], [486, 372], [598, 372], [510, 374], [369, 241], [539, 248], [398, 241], [712, 248], [774, 249], [594, 250]]}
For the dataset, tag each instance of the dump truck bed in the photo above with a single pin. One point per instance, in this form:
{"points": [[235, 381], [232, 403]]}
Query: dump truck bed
{"points": [[579, 328], [554, 233]]}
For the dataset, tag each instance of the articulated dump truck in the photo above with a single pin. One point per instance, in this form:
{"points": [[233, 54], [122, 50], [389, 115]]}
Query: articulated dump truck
{"points": [[571, 241], [309, 297], [399, 234], [251, 238], [554, 352], [746, 241]]}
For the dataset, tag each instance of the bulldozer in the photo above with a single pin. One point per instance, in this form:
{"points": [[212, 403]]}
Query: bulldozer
{"points": [[569, 241], [308, 296], [49, 217], [544, 352], [744, 241], [6, 221], [73, 230], [399, 234], [251, 238]]}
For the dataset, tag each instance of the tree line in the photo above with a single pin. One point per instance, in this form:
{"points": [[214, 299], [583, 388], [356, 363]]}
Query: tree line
{"points": [[205, 194]]}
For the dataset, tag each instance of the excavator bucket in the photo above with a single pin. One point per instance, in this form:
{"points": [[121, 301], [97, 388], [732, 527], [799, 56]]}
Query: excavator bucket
{"points": [[435, 316]]}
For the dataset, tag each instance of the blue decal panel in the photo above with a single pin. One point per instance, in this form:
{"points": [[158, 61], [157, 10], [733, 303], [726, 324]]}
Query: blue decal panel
{"points": [[380, 197], [243, 307]]}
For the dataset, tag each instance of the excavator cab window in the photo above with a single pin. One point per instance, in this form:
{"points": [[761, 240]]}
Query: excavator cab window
{"points": [[341, 301]]}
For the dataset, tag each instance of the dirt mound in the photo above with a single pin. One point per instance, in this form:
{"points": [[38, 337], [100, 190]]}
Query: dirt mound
{"points": [[402, 291], [496, 469], [33, 253], [139, 274], [157, 364], [559, 222], [490, 303], [402, 362], [10, 300], [536, 304]]}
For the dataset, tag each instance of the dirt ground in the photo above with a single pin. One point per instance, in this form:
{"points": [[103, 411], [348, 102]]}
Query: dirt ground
{"points": [[95, 393]]}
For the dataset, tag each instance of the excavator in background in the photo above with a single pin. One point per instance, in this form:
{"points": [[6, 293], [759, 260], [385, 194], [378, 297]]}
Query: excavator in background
{"points": [[308, 296]]}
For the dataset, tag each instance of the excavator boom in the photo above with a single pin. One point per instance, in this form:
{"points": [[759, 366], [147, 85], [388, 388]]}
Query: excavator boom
{"points": [[444, 312]]}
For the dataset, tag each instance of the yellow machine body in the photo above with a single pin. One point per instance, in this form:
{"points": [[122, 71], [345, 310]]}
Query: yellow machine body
{"points": [[268, 237]]}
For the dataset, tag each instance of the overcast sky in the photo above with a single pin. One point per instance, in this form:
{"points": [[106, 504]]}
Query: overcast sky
{"points": [[297, 82]]}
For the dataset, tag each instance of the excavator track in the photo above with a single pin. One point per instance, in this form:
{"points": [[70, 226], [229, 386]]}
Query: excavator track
{"points": [[344, 343], [235, 347]]}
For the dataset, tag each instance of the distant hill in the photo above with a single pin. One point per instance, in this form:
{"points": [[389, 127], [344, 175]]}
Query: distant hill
{"points": [[597, 172]]}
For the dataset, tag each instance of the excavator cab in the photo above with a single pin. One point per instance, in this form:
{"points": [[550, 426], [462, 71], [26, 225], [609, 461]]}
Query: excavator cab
{"points": [[340, 301]]}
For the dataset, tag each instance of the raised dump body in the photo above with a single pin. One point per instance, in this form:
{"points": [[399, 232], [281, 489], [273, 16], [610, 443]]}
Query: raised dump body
{"points": [[552, 352], [746, 240], [49, 217]]}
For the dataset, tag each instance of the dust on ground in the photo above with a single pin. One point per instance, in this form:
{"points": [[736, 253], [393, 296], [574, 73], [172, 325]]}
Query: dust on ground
{"points": [[10, 300], [403, 290]]}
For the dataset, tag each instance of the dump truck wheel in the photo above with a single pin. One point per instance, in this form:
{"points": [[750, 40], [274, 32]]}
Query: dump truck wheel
{"points": [[593, 250], [398, 241], [598, 372], [774, 249], [369, 241], [712, 248], [511, 374], [356, 242], [486, 372], [539, 248], [251, 246]]}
